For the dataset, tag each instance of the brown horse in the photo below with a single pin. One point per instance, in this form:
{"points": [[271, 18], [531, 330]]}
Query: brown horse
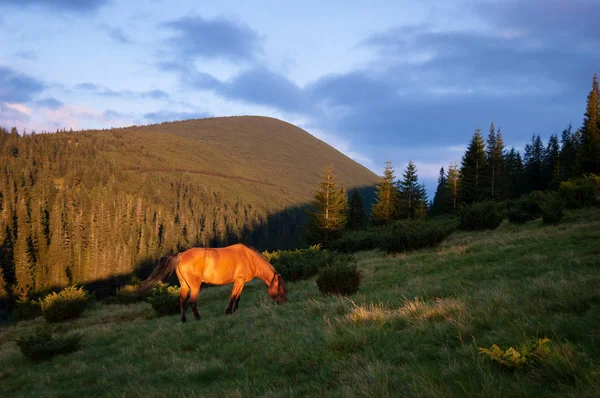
{"points": [[235, 264]]}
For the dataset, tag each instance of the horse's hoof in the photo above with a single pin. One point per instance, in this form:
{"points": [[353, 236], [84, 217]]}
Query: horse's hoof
{"points": [[197, 318], [183, 320], [227, 311]]}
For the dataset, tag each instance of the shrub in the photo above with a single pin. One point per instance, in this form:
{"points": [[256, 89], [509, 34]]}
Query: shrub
{"points": [[581, 192], [526, 208], [128, 294], [68, 304], [552, 209], [341, 277], [45, 343], [294, 265], [354, 241], [164, 299], [413, 235], [26, 308], [481, 216], [512, 358]]}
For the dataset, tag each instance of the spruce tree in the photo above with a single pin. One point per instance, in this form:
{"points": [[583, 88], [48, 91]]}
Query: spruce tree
{"points": [[590, 151], [440, 200], [327, 218], [514, 174], [357, 217], [568, 154], [495, 164], [552, 166], [453, 186], [473, 165], [409, 191], [534, 163], [385, 209]]}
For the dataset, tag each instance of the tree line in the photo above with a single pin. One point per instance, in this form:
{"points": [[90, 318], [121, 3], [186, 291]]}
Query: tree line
{"points": [[488, 171]]}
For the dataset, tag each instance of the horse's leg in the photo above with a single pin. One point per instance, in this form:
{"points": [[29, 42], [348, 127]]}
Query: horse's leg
{"points": [[183, 294], [194, 300], [238, 286]]}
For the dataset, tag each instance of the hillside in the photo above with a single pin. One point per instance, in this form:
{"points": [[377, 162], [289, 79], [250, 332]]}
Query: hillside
{"points": [[79, 207], [414, 329]]}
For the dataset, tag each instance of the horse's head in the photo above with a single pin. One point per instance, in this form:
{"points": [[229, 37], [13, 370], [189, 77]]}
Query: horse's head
{"points": [[277, 289]]}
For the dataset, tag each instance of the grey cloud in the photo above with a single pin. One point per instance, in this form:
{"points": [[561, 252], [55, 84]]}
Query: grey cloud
{"points": [[17, 87], [50, 103], [80, 6], [196, 37]]}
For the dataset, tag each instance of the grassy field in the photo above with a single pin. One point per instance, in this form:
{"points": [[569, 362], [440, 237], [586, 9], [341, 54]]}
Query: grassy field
{"points": [[414, 329]]}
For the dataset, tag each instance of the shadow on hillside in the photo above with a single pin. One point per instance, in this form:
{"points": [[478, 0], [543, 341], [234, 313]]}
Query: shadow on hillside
{"points": [[281, 230]]}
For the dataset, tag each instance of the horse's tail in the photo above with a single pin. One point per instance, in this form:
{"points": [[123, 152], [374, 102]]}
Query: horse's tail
{"points": [[166, 266]]}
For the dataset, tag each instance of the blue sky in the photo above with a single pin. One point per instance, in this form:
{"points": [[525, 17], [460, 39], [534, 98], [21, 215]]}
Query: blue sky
{"points": [[397, 80]]}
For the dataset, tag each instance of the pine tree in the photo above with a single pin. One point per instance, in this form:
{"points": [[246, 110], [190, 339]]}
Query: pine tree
{"points": [[23, 260], [409, 191], [590, 151], [534, 160], [440, 200], [327, 218], [473, 165], [357, 217], [495, 164], [568, 154], [514, 174], [385, 209], [552, 166], [453, 186]]}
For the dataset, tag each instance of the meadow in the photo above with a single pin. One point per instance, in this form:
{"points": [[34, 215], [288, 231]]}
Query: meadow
{"points": [[415, 328]]}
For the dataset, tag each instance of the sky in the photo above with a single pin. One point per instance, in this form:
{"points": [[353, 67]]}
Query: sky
{"points": [[378, 80]]}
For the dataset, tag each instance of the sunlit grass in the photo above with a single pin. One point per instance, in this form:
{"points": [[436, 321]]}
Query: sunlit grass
{"points": [[413, 329]]}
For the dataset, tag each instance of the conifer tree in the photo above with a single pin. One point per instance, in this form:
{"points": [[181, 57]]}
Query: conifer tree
{"points": [[473, 187], [327, 218], [514, 174], [357, 217], [568, 154], [552, 166], [410, 191], [385, 209], [23, 260], [495, 163], [453, 186], [534, 163], [590, 151], [442, 193]]}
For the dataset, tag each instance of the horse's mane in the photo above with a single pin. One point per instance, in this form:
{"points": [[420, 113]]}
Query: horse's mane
{"points": [[259, 254]]}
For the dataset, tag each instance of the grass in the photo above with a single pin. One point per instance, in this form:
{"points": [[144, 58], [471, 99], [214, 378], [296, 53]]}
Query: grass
{"points": [[414, 329]]}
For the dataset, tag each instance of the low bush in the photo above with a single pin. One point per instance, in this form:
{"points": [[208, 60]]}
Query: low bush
{"points": [[45, 343], [69, 303], [164, 299], [128, 294], [340, 277], [413, 235], [354, 241], [526, 208], [552, 209], [581, 192], [294, 265], [25, 308], [481, 216]]}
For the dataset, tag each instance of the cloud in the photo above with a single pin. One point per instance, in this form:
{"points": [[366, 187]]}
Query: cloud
{"points": [[168, 116], [14, 115], [17, 87], [51, 103], [80, 6], [219, 38], [117, 34], [103, 91]]}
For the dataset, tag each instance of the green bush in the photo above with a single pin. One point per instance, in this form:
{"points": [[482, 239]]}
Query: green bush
{"points": [[354, 241], [26, 308], [45, 343], [295, 265], [581, 192], [128, 294], [340, 277], [70, 303], [481, 216], [164, 299], [417, 234], [552, 209], [526, 208]]}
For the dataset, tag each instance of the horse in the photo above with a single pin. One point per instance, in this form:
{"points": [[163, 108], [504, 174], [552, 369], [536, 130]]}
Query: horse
{"points": [[235, 264]]}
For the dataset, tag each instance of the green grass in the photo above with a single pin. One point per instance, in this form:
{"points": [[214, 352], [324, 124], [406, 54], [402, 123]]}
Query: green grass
{"points": [[414, 329]]}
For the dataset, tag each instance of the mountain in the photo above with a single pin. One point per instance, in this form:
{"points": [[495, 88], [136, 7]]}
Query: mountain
{"points": [[78, 207]]}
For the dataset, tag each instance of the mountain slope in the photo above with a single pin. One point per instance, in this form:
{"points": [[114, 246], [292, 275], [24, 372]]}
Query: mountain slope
{"points": [[80, 207]]}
